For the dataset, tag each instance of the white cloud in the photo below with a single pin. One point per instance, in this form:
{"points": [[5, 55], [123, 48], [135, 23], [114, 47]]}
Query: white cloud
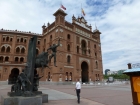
{"points": [[118, 20]]}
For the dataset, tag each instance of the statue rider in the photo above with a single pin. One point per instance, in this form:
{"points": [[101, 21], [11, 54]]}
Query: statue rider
{"points": [[54, 50]]}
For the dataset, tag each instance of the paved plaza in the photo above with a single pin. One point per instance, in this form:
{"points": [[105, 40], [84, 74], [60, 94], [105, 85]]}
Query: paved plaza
{"points": [[109, 94]]}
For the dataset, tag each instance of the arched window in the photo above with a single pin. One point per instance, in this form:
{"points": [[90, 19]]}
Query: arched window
{"points": [[22, 50], [96, 64], [3, 49], [77, 49], [24, 40], [68, 47], [1, 58], [4, 39], [7, 38], [21, 40], [89, 51], [11, 39], [83, 47], [17, 50], [8, 49], [16, 59], [51, 37], [6, 58], [68, 59], [17, 40], [68, 36], [94, 45], [21, 59], [95, 55], [38, 42]]}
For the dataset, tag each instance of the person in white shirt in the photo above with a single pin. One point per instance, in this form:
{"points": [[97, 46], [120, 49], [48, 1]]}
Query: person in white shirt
{"points": [[78, 90]]}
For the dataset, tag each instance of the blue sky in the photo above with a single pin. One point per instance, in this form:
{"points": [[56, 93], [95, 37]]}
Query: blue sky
{"points": [[118, 21]]}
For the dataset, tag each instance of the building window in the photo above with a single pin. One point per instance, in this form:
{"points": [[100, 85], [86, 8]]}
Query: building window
{"points": [[68, 59], [21, 59], [77, 49], [17, 40], [50, 37], [96, 65], [4, 39], [68, 47], [3, 49], [21, 40], [83, 47], [11, 39], [17, 50], [8, 49], [68, 36], [16, 59], [38, 42], [24, 40], [95, 55], [1, 59], [89, 51], [7, 39], [22, 50], [6, 58], [95, 46]]}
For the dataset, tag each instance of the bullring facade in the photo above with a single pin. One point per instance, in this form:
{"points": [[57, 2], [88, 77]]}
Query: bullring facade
{"points": [[78, 56]]}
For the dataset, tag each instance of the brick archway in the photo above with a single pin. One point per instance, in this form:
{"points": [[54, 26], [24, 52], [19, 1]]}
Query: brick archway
{"points": [[13, 76], [84, 72]]}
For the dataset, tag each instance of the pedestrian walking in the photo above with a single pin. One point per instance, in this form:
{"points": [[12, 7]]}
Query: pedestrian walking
{"points": [[78, 90]]}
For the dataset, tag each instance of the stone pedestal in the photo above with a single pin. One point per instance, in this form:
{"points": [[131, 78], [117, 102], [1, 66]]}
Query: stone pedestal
{"points": [[19, 100]]}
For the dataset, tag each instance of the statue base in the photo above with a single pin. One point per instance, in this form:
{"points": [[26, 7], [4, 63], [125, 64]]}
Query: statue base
{"points": [[24, 94], [20, 100]]}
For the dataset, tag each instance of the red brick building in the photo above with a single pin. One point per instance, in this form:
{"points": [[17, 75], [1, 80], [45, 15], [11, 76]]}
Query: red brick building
{"points": [[78, 56]]}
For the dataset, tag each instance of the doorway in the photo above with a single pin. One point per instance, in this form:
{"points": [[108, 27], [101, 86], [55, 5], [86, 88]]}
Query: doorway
{"points": [[13, 76], [84, 73]]}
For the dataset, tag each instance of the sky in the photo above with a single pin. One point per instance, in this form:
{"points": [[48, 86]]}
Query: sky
{"points": [[117, 20]]}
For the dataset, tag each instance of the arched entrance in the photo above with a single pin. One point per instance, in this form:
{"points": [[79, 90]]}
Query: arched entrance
{"points": [[13, 76], [84, 73]]}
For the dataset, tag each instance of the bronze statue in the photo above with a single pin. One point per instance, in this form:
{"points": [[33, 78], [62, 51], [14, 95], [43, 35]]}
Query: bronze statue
{"points": [[28, 80], [54, 50]]}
